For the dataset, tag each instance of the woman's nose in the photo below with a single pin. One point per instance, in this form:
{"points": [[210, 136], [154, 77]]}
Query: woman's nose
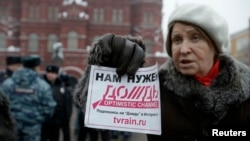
{"points": [[185, 48]]}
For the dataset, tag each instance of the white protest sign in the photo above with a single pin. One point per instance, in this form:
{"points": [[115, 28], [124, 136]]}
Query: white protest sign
{"points": [[126, 103]]}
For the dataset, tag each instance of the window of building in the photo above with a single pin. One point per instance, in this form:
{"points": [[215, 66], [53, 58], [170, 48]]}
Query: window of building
{"points": [[34, 13], [114, 16], [98, 15], [2, 40], [95, 15], [243, 44], [149, 46], [117, 16], [4, 12], [33, 42], [52, 38], [120, 16], [72, 40], [101, 15], [148, 18], [1, 11], [31, 13], [52, 13]]}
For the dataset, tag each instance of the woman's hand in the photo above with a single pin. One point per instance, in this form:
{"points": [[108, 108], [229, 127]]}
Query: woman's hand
{"points": [[126, 54]]}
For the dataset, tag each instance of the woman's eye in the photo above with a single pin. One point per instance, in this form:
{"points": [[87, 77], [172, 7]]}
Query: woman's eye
{"points": [[176, 40], [196, 37]]}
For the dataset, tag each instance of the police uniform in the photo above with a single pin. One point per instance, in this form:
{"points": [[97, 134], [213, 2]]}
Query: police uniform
{"points": [[10, 60], [31, 100], [61, 117]]}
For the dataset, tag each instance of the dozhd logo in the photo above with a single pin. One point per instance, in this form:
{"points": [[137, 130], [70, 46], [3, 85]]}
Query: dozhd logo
{"points": [[135, 97]]}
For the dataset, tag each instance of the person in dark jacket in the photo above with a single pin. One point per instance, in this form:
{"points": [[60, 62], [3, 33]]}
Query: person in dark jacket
{"points": [[13, 63], [204, 91], [61, 117], [7, 123], [31, 100]]}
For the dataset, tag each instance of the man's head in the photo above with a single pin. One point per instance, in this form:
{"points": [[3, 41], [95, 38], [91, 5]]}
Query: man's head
{"points": [[31, 61], [52, 72], [13, 62]]}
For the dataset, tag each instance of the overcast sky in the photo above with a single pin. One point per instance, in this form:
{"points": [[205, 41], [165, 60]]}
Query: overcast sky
{"points": [[236, 12]]}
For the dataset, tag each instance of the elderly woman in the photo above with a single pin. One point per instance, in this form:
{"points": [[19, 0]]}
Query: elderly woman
{"points": [[203, 90]]}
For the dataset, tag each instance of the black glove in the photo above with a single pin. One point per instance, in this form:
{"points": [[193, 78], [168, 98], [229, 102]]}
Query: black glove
{"points": [[126, 54]]}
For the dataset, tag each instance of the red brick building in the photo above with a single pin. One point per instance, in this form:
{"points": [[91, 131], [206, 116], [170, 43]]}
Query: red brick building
{"points": [[33, 26]]}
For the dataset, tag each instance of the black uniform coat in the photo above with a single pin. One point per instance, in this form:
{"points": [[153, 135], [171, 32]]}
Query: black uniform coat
{"points": [[63, 98]]}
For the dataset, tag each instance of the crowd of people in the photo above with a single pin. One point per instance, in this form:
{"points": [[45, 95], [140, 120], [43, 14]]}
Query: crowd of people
{"points": [[40, 104], [37, 106], [202, 87]]}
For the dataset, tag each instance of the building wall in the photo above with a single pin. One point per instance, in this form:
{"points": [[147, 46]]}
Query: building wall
{"points": [[84, 21], [240, 46]]}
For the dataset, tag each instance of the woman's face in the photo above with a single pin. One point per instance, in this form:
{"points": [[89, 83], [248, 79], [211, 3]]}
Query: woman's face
{"points": [[192, 52]]}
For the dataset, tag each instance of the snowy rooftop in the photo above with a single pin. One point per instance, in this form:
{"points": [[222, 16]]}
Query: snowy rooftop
{"points": [[78, 2]]}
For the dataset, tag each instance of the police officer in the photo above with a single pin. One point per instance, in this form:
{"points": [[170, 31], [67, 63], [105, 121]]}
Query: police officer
{"points": [[61, 116], [31, 100], [13, 63]]}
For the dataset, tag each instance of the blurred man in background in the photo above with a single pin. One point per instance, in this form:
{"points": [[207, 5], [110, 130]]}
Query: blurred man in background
{"points": [[13, 63], [61, 117], [7, 124]]}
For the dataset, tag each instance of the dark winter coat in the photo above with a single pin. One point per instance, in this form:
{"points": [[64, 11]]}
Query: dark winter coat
{"points": [[63, 98], [7, 124], [191, 110]]}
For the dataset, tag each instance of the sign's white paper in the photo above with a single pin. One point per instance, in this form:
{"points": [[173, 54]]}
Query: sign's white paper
{"points": [[126, 103]]}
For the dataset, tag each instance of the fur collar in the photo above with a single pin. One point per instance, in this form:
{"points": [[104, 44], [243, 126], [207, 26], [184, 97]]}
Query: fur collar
{"points": [[230, 87]]}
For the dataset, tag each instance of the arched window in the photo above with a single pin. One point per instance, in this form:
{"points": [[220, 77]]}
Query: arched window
{"points": [[72, 40], [52, 38], [2, 40], [33, 42]]}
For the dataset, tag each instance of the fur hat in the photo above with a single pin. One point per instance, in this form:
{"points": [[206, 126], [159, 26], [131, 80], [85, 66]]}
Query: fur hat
{"points": [[205, 18], [13, 60], [31, 61], [52, 68]]}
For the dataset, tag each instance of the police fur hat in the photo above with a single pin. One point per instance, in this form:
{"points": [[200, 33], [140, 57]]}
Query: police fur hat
{"points": [[206, 18], [52, 68], [31, 61], [13, 60]]}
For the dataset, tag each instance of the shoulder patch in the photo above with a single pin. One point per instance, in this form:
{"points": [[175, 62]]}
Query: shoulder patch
{"points": [[24, 91]]}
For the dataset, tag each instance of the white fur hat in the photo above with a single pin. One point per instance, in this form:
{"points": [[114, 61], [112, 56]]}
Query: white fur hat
{"points": [[205, 18]]}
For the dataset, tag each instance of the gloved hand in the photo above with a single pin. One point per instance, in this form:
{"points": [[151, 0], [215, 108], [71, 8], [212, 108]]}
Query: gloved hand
{"points": [[126, 54]]}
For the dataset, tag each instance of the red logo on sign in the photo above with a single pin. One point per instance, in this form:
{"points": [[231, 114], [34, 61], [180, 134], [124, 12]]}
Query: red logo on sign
{"points": [[137, 97]]}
